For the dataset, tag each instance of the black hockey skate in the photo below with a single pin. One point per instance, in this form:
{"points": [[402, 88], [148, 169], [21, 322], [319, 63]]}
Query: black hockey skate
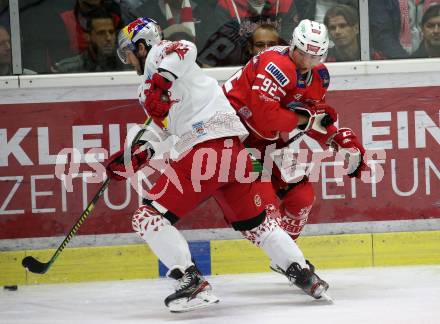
{"points": [[307, 280], [274, 267], [192, 291]]}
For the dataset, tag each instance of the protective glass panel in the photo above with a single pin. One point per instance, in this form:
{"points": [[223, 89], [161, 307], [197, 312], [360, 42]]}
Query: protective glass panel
{"points": [[70, 36], [342, 21], [5, 40], [404, 29]]}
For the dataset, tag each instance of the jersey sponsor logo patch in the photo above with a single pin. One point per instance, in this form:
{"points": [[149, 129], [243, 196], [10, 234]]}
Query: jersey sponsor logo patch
{"points": [[245, 112], [277, 74], [199, 129], [257, 200]]}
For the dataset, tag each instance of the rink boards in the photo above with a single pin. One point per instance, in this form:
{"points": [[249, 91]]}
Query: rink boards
{"points": [[42, 196], [392, 105], [223, 257]]}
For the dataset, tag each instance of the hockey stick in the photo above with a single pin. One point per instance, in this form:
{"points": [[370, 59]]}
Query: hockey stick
{"points": [[294, 138], [35, 266]]}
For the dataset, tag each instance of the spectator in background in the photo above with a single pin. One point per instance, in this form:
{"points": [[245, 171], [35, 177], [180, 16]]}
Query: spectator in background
{"points": [[178, 32], [188, 15], [4, 12], [342, 22], [226, 47], [75, 21], [430, 45], [394, 25], [316, 9], [263, 37], [5, 53], [127, 10], [237, 19], [100, 54], [44, 36], [252, 13]]}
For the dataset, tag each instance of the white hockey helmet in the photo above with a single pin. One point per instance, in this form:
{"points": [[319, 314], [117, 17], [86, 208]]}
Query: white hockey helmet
{"points": [[145, 29], [310, 37]]}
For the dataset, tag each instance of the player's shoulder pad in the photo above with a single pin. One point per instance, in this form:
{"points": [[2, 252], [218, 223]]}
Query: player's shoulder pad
{"points": [[278, 65], [323, 74]]}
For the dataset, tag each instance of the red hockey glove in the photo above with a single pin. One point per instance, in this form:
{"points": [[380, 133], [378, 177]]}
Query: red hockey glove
{"points": [[323, 108], [157, 98], [347, 143], [140, 154], [321, 138]]}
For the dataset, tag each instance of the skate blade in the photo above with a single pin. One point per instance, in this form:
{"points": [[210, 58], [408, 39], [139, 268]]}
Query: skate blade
{"points": [[326, 297], [202, 300]]}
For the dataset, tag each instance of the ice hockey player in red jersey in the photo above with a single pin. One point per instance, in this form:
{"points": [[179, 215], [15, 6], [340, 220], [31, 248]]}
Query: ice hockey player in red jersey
{"points": [[206, 135], [268, 90]]}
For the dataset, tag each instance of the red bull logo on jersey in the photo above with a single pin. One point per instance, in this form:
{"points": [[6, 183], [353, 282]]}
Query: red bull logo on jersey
{"points": [[199, 129], [277, 74]]}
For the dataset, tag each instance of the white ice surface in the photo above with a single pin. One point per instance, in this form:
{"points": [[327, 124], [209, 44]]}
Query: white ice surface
{"points": [[369, 295]]}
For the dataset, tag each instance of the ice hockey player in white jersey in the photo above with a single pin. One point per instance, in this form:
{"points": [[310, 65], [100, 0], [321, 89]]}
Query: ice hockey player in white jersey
{"points": [[190, 107]]}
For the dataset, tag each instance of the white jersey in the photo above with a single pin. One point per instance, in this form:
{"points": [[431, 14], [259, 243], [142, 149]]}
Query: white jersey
{"points": [[200, 111]]}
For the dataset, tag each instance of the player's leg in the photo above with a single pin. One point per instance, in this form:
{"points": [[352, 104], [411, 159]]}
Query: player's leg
{"points": [[297, 200], [192, 290], [296, 204], [174, 194], [244, 207]]}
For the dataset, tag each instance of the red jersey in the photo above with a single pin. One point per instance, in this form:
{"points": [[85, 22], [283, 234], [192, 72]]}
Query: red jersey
{"points": [[261, 90]]}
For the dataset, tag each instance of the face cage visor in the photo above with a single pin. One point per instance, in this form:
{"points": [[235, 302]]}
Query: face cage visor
{"points": [[123, 50]]}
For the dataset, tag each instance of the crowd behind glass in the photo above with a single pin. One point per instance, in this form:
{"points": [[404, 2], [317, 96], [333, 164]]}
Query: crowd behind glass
{"points": [[73, 36]]}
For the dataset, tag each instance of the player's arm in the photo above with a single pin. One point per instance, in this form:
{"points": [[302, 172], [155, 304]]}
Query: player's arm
{"points": [[177, 59], [321, 115], [124, 163]]}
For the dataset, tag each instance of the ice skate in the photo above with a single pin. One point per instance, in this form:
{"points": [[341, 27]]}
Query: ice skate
{"points": [[308, 281], [192, 291], [276, 268]]}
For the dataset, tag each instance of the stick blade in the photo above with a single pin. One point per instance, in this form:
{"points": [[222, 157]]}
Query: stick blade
{"points": [[33, 265]]}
